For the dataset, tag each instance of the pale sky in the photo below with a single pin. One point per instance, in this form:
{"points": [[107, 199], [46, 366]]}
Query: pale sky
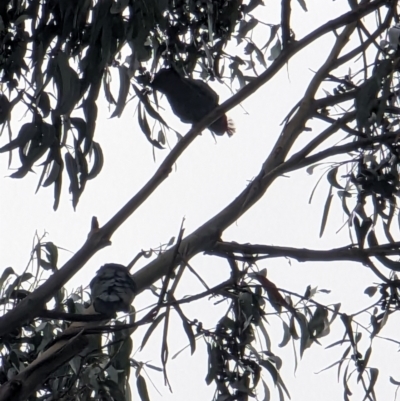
{"points": [[207, 177]]}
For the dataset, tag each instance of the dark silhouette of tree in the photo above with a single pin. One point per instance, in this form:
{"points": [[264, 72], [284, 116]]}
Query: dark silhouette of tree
{"points": [[62, 353]]}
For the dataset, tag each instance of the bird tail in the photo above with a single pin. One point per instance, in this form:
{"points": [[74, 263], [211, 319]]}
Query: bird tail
{"points": [[231, 127]]}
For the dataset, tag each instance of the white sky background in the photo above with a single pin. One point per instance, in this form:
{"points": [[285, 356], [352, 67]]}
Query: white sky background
{"points": [[207, 177]]}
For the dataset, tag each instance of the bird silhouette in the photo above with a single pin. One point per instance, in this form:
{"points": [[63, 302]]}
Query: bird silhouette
{"points": [[190, 99]]}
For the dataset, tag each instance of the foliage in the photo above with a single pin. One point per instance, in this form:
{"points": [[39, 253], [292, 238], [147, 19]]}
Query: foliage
{"points": [[98, 371], [76, 45]]}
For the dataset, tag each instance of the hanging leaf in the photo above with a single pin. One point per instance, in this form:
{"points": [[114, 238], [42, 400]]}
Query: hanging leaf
{"points": [[286, 335], [188, 329], [275, 50], [373, 373], [81, 128], [6, 273], [260, 56], [273, 33], [52, 253], [245, 27], [68, 85], [147, 105], [107, 90], [124, 82], [98, 161], [271, 369], [303, 4], [5, 109], [331, 176], [370, 291], [44, 104], [326, 212], [90, 110], [38, 146], [72, 171], [152, 327], [267, 394], [281, 385], [58, 185], [46, 265], [144, 126], [305, 341], [53, 174], [212, 364], [318, 322], [26, 133]]}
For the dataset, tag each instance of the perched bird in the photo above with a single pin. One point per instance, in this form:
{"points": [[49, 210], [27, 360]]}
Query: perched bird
{"points": [[190, 99], [113, 289]]}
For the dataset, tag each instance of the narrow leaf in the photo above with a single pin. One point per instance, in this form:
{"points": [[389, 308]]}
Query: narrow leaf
{"points": [[303, 4], [142, 388], [98, 162], [150, 330], [123, 91], [326, 212], [331, 176]]}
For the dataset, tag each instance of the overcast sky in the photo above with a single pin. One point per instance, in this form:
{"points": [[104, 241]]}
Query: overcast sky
{"points": [[206, 178]]}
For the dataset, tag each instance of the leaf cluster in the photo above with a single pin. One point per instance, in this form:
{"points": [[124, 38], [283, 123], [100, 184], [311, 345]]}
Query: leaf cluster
{"points": [[76, 47]]}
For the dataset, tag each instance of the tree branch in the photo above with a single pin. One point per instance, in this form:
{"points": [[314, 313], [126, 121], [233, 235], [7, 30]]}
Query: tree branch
{"points": [[285, 22], [297, 161], [340, 123], [348, 252], [355, 52], [72, 317]]}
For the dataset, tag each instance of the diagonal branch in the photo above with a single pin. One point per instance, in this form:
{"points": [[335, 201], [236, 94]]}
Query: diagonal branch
{"points": [[298, 161], [340, 123], [285, 22]]}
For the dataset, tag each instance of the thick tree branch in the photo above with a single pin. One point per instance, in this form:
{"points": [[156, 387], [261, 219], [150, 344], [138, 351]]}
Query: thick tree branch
{"points": [[252, 252], [335, 99], [348, 252]]}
